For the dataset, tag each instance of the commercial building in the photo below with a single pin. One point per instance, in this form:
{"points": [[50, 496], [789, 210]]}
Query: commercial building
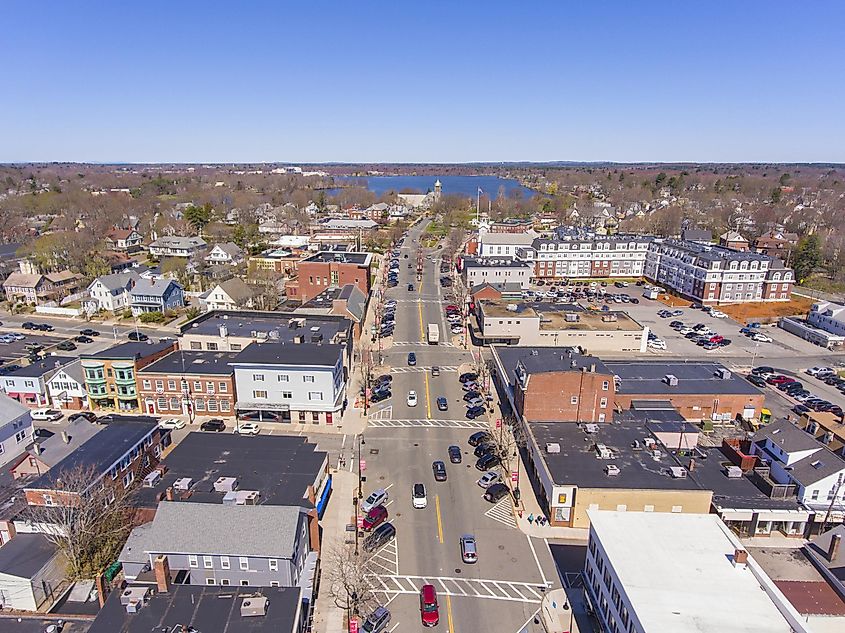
{"points": [[348, 302], [192, 383], [232, 331], [283, 261], [619, 466], [329, 269], [653, 572], [821, 336], [698, 390], [496, 270], [110, 374], [554, 384], [15, 429], [290, 382], [579, 254], [555, 324]]}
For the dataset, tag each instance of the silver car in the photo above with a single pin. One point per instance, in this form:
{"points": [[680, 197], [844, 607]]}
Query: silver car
{"points": [[469, 553], [488, 479], [376, 498]]}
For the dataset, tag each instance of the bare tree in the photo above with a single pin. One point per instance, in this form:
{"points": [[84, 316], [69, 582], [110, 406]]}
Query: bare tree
{"points": [[88, 521], [350, 579]]}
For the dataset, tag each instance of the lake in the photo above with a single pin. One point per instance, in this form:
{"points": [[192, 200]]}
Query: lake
{"points": [[460, 185]]}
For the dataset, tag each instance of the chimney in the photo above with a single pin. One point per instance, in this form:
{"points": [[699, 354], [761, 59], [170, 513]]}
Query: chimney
{"points": [[162, 573], [833, 550], [65, 437], [593, 368], [168, 493], [691, 467], [740, 558], [36, 448]]}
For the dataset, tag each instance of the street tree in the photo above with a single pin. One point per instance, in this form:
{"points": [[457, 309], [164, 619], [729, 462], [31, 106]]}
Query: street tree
{"points": [[350, 579], [807, 257]]}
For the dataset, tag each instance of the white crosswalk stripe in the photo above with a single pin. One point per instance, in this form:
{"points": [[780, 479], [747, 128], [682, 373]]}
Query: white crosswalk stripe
{"points": [[386, 559], [502, 512], [463, 587], [421, 370], [444, 424], [422, 344], [384, 413]]}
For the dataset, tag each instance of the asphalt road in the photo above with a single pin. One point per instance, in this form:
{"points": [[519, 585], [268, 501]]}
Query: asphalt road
{"points": [[502, 591]]}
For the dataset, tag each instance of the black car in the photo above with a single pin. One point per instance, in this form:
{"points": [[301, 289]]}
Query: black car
{"points": [[439, 469], [89, 332], [455, 454], [28, 325], [380, 396], [468, 377], [412, 359], [138, 336], [66, 346], [789, 387], [484, 449], [475, 412], [382, 535], [496, 492], [756, 380], [471, 395], [45, 327], [83, 339], [410, 287], [216, 424], [763, 370], [487, 462], [383, 379], [477, 438], [83, 415]]}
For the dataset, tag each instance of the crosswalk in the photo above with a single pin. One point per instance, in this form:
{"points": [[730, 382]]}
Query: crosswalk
{"points": [[462, 587], [502, 512], [421, 370], [385, 413], [444, 424], [421, 343]]}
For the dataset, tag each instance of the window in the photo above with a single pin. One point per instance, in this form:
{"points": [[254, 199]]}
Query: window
{"points": [[174, 404], [224, 581], [308, 378], [171, 385], [198, 386], [258, 377], [209, 387], [192, 561], [146, 384], [206, 562], [196, 345], [603, 403], [224, 562], [573, 400], [284, 378], [222, 387], [648, 508], [244, 583], [677, 509], [209, 581], [128, 478], [315, 395], [274, 564], [261, 395], [315, 417], [200, 404], [212, 347], [212, 405], [243, 561], [162, 404], [605, 385], [287, 395], [160, 384], [274, 583], [224, 405]]}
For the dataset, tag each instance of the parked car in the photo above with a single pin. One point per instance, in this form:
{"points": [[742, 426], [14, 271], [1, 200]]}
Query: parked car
{"points": [[475, 412], [46, 415], [380, 395], [138, 336], [171, 423], [756, 380], [439, 469], [442, 404], [468, 377], [483, 449], [377, 621], [471, 395], [377, 497], [429, 611], [487, 462], [83, 339], [488, 479], [381, 536], [247, 428], [496, 492], [215, 424], [477, 438], [419, 497], [375, 517], [82, 415]]}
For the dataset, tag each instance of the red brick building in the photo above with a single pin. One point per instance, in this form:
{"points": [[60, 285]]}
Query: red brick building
{"points": [[330, 269]]}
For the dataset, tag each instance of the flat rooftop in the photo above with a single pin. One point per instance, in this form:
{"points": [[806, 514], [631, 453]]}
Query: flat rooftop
{"points": [[545, 359], [192, 362], [578, 464], [131, 350], [340, 257], [280, 326], [677, 571], [40, 368], [280, 467], [495, 262], [206, 609], [694, 377]]}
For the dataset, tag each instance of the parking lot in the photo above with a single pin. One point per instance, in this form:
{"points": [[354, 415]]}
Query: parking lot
{"points": [[17, 349]]}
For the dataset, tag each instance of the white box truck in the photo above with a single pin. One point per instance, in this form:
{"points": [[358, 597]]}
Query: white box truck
{"points": [[433, 334]]}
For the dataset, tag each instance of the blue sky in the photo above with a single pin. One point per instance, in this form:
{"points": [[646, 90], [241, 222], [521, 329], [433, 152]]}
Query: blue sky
{"points": [[422, 81]]}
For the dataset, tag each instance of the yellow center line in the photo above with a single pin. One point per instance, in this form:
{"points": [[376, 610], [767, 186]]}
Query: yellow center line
{"points": [[449, 613], [427, 398], [439, 518]]}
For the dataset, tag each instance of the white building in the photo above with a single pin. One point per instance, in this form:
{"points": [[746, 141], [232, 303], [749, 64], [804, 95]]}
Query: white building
{"points": [[503, 244], [176, 246], [495, 270], [232, 294], [66, 387], [828, 316], [291, 382], [111, 292], [225, 253], [15, 429], [655, 572]]}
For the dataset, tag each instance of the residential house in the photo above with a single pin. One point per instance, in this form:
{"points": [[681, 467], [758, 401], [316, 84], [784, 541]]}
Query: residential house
{"points": [[328, 269], [177, 246], [125, 449], [776, 244], [733, 241], [189, 383], [151, 295], [291, 382], [111, 293], [40, 289], [15, 429], [127, 240], [28, 385], [110, 374], [66, 387], [44, 454], [225, 253], [232, 294], [32, 573]]}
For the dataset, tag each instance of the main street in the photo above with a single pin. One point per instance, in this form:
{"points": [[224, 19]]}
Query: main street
{"points": [[503, 590]]}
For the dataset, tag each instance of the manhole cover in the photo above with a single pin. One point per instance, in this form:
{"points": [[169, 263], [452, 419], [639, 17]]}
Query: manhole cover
{"points": [[374, 451], [501, 547], [398, 514], [416, 444], [381, 478], [457, 570], [513, 560]]}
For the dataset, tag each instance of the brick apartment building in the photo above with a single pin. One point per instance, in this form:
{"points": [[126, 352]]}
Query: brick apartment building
{"points": [[189, 383], [328, 269]]}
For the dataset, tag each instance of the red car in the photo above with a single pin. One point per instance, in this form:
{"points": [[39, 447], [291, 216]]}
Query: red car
{"points": [[374, 518], [717, 339], [779, 379], [429, 611], [452, 307]]}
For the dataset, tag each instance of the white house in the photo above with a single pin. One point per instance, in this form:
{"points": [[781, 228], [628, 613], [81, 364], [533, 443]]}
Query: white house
{"points": [[31, 573], [503, 244], [15, 429], [111, 292], [796, 457], [291, 382], [176, 246], [232, 294], [28, 385], [225, 253], [66, 387]]}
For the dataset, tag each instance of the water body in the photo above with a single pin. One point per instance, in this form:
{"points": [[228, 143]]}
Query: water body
{"points": [[460, 185]]}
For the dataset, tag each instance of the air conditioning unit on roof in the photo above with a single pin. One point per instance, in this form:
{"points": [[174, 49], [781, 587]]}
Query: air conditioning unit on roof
{"points": [[552, 447]]}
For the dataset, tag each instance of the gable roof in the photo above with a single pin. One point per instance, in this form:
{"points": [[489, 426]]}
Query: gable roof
{"points": [[120, 234], [237, 290], [54, 449], [787, 436], [25, 555], [23, 280], [230, 248], [356, 301], [10, 409], [153, 287], [178, 241], [116, 280]]}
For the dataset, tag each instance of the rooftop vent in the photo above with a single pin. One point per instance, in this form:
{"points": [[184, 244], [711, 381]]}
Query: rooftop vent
{"points": [[723, 373], [671, 380], [552, 447], [152, 479], [254, 606], [591, 428], [603, 452], [183, 483], [225, 484], [611, 470], [734, 472], [678, 472]]}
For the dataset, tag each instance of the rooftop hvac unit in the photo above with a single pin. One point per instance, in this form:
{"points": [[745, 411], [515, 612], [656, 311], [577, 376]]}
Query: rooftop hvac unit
{"points": [[591, 428], [241, 498], [671, 380], [678, 472], [133, 606], [274, 334], [571, 317], [183, 483], [723, 373], [225, 484], [734, 472], [603, 452], [649, 442], [611, 470], [552, 447], [133, 593], [254, 606], [656, 454], [512, 307], [152, 479]]}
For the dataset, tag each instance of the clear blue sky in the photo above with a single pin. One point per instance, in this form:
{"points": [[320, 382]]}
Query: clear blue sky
{"points": [[312, 81]]}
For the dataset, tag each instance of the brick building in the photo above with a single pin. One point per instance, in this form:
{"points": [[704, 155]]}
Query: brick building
{"points": [[189, 383], [328, 269]]}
